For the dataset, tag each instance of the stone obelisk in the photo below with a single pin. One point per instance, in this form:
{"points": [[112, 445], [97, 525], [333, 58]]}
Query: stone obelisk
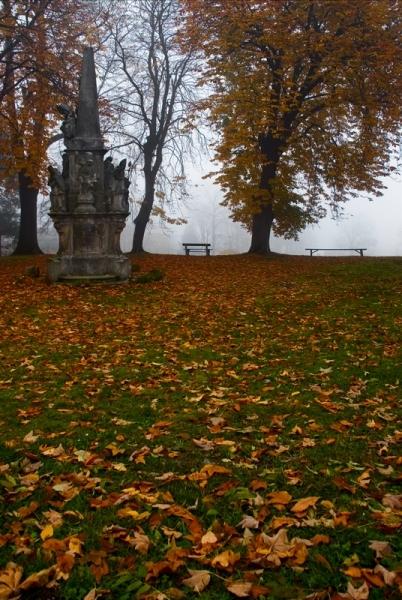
{"points": [[89, 198]]}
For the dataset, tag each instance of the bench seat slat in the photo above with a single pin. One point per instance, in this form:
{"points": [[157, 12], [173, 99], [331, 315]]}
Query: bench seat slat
{"points": [[313, 250]]}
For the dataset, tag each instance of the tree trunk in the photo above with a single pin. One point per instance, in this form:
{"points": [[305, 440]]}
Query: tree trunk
{"points": [[142, 219], [141, 223], [28, 233], [261, 230], [262, 221]]}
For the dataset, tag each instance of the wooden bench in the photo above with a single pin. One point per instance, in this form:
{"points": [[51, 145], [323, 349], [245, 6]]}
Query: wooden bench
{"points": [[197, 248], [358, 250]]}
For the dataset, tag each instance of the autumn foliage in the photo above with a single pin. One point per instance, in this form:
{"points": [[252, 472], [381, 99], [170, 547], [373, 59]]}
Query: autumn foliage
{"points": [[305, 101], [40, 60], [40, 53]]}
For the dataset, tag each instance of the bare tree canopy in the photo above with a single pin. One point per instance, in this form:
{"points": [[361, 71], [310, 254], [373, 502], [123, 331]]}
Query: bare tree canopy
{"points": [[152, 82]]}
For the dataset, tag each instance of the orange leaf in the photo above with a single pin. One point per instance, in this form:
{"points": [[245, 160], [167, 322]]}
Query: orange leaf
{"points": [[304, 504], [225, 559]]}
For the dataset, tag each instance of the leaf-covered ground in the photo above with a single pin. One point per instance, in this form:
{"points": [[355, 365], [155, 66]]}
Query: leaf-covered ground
{"points": [[229, 431]]}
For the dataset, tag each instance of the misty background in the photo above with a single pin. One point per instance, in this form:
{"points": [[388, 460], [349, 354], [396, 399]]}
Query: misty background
{"points": [[375, 225]]}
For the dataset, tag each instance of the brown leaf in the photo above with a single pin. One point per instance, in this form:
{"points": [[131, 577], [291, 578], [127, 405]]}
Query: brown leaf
{"points": [[30, 438], [240, 589], [381, 549], [26, 511], [140, 541], [65, 564], [40, 579], [342, 484], [249, 522], [387, 576], [352, 593], [392, 500], [198, 580], [10, 578]]}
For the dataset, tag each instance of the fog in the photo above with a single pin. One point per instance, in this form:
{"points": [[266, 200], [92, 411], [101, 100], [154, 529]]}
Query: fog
{"points": [[375, 225]]}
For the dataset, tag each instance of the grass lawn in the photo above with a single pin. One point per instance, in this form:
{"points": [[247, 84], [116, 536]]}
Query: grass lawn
{"points": [[230, 431]]}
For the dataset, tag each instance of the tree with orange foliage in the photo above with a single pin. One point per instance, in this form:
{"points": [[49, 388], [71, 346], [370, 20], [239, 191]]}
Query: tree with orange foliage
{"points": [[306, 97], [40, 48]]}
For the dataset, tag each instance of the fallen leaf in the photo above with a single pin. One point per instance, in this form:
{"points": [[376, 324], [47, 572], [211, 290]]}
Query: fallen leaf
{"points": [[387, 576], [198, 580], [30, 438], [10, 578], [225, 559], [40, 579], [381, 549], [352, 593], [47, 532], [392, 500], [209, 538], [240, 589], [279, 499], [249, 522], [304, 504]]}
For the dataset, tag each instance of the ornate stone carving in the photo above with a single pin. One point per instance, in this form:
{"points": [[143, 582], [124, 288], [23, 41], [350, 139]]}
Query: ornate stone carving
{"points": [[89, 198]]}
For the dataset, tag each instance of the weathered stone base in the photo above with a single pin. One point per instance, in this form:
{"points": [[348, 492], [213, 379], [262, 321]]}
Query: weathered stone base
{"points": [[98, 268]]}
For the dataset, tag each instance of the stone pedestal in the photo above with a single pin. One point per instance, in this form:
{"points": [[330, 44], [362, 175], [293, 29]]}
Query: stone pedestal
{"points": [[89, 248]]}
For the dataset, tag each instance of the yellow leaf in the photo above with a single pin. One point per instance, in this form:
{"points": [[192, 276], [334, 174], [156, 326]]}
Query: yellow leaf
{"points": [[225, 559], [47, 532], [75, 545]]}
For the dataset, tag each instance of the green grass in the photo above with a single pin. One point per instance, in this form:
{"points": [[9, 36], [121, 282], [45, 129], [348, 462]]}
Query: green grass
{"points": [[285, 372]]}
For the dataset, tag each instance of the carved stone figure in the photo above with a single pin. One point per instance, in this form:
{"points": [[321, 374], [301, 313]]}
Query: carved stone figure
{"points": [[69, 124], [125, 203], [57, 190], [119, 187], [108, 172]]}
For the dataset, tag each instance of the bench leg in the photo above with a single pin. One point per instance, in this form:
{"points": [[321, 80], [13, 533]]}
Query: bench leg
{"points": [[187, 252], [208, 252]]}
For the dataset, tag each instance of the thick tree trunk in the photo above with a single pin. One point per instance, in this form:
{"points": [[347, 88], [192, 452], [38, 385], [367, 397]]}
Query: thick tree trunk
{"points": [[141, 223], [262, 221], [28, 233], [142, 219], [261, 230]]}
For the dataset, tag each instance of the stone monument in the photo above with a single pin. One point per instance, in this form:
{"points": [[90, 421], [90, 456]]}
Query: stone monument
{"points": [[89, 197]]}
